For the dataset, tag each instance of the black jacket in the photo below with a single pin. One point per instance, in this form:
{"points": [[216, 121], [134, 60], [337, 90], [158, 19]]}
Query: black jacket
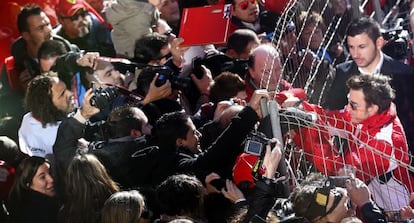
{"points": [[116, 155], [35, 207], [117, 158], [24, 61], [227, 147]]}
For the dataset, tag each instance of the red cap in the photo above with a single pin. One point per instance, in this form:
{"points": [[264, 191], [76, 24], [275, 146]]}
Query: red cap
{"points": [[68, 8], [242, 170]]}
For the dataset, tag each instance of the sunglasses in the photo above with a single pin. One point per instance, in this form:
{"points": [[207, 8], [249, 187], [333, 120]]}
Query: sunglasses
{"points": [[245, 4], [75, 17], [354, 106]]}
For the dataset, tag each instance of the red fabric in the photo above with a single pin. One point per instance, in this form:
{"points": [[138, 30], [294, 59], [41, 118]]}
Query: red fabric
{"points": [[276, 6], [369, 7], [242, 170], [371, 160], [286, 87]]}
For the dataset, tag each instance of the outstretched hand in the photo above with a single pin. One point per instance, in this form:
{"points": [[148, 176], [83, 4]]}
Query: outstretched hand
{"points": [[155, 93], [271, 159], [232, 192], [88, 60], [255, 101], [87, 110], [177, 51], [203, 84]]}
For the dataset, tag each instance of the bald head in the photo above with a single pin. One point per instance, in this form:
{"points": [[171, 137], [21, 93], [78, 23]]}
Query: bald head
{"points": [[264, 67]]}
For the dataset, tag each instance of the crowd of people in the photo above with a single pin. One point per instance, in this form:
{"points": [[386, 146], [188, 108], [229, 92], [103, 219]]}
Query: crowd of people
{"points": [[115, 120]]}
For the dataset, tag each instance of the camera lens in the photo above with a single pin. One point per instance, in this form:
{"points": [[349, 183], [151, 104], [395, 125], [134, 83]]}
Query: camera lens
{"points": [[103, 97]]}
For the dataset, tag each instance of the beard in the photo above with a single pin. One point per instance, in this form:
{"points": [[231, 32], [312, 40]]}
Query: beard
{"points": [[84, 28], [83, 31]]}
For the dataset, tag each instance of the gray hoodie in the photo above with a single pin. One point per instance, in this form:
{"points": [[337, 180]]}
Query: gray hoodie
{"points": [[130, 19]]}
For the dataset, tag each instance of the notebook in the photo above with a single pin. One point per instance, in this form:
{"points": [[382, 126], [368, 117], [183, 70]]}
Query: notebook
{"points": [[205, 25]]}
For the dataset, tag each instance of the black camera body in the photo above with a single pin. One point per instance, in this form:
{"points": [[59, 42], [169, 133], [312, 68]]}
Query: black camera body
{"points": [[339, 181], [256, 142], [102, 97], [219, 183], [165, 73]]}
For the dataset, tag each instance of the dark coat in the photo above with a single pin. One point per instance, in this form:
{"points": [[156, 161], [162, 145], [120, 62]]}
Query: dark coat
{"points": [[227, 147], [35, 207], [24, 61], [118, 161]]}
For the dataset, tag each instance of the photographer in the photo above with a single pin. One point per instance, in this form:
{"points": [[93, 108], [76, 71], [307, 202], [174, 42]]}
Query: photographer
{"points": [[126, 129], [263, 195], [178, 142], [167, 58], [48, 102], [320, 200]]}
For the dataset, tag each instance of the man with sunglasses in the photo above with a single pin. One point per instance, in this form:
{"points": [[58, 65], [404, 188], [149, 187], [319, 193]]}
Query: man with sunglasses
{"points": [[82, 27], [245, 15], [376, 145], [365, 42]]}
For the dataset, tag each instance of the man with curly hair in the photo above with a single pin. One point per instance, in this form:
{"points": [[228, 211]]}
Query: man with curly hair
{"points": [[48, 101]]}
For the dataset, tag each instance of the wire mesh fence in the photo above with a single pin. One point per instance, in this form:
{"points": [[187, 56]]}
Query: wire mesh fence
{"points": [[310, 36]]}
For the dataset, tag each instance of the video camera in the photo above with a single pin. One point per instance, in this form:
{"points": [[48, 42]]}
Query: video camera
{"points": [[398, 39], [103, 97]]}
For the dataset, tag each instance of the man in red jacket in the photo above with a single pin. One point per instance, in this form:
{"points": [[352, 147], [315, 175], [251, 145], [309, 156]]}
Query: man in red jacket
{"points": [[376, 147]]}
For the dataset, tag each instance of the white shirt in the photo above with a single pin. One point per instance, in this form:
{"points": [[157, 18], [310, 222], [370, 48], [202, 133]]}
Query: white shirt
{"points": [[377, 69], [35, 140]]}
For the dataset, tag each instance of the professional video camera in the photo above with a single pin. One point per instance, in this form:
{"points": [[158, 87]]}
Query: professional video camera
{"points": [[102, 97], [398, 39], [165, 73]]}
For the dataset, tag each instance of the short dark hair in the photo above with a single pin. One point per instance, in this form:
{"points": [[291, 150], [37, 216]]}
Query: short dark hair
{"points": [[364, 25], [122, 120], [306, 19], [51, 48], [149, 47], [181, 194], [170, 127], [376, 88], [26, 12], [38, 100], [239, 40], [226, 86]]}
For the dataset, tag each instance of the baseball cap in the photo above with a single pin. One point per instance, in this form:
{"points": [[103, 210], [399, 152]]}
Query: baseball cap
{"points": [[68, 8]]}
